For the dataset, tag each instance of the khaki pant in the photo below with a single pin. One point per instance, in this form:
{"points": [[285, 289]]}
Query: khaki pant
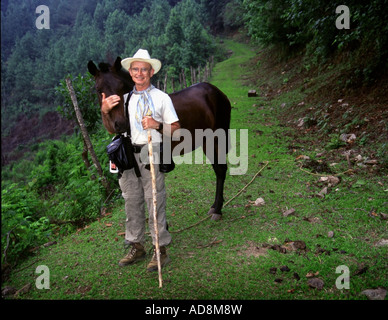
{"points": [[137, 192]]}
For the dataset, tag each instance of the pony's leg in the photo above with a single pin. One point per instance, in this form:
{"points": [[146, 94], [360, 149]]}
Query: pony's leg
{"points": [[215, 210], [220, 168]]}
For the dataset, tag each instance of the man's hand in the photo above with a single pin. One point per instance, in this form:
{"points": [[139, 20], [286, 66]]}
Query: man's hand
{"points": [[109, 103], [168, 129], [150, 123]]}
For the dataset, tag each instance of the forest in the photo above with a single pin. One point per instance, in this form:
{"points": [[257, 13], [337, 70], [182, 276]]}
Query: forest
{"points": [[34, 60], [46, 187]]}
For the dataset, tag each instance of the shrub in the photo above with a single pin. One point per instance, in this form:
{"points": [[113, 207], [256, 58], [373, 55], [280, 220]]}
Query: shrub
{"points": [[23, 222], [310, 25]]}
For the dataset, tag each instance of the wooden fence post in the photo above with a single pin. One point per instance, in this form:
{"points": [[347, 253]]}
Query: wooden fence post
{"points": [[192, 75], [184, 78], [181, 80], [165, 83], [85, 135]]}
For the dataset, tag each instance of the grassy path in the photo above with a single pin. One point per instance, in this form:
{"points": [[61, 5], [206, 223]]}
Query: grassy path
{"points": [[255, 252]]}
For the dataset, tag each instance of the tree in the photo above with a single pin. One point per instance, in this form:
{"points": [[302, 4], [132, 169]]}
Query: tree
{"points": [[213, 14], [196, 46], [115, 38], [86, 99], [233, 15], [174, 29], [160, 12]]}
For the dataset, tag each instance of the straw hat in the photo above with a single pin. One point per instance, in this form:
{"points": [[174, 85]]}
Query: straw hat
{"points": [[143, 56]]}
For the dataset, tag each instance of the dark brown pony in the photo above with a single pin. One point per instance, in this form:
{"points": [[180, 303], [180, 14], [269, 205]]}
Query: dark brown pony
{"points": [[201, 106]]}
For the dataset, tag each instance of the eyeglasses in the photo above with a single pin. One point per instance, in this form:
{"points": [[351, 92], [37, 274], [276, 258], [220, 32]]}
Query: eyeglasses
{"points": [[142, 70]]}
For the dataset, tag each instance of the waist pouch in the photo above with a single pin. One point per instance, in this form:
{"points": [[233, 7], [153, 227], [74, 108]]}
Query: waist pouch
{"points": [[165, 167]]}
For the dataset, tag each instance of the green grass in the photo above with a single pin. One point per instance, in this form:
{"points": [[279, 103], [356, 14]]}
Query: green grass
{"points": [[220, 260]]}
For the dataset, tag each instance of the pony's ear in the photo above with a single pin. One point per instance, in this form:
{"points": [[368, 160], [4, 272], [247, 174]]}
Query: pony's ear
{"points": [[92, 68], [117, 64]]}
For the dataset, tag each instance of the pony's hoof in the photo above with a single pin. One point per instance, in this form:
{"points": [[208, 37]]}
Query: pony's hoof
{"points": [[211, 211], [216, 216]]}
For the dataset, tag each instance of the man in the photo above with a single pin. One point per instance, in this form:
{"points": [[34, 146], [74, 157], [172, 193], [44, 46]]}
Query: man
{"points": [[149, 108]]}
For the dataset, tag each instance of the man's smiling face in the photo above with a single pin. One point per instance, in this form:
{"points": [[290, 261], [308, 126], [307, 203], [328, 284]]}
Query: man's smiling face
{"points": [[141, 73]]}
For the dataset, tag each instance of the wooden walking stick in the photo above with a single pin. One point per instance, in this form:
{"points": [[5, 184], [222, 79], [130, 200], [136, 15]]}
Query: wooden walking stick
{"points": [[157, 248]]}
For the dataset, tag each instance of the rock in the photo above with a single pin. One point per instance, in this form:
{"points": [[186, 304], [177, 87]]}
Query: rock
{"points": [[348, 138], [333, 181], [7, 291], [296, 245], [289, 212], [252, 93], [51, 243], [259, 202], [330, 234], [381, 243], [316, 283], [358, 158], [330, 180], [323, 192], [375, 294], [371, 162]]}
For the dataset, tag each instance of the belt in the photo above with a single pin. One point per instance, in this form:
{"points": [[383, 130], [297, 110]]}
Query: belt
{"points": [[137, 147]]}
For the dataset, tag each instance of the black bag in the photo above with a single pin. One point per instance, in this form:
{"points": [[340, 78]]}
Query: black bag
{"points": [[120, 150], [117, 153]]}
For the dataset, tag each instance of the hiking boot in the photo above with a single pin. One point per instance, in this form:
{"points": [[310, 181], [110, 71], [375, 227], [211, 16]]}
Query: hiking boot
{"points": [[164, 260], [137, 253]]}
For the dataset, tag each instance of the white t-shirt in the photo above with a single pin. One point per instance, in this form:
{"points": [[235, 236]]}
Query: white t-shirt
{"points": [[164, 113]]}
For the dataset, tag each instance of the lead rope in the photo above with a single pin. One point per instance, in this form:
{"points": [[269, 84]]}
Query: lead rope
{"points": [[229, 201]]}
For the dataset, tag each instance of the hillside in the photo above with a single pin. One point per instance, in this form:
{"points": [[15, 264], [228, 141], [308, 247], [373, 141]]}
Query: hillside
{"points": [[323, 107], [29, 131], [287, 246]]}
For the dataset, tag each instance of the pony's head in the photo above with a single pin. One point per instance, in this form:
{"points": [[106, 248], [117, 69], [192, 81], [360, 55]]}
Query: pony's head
{"points": [[112, 80]]}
